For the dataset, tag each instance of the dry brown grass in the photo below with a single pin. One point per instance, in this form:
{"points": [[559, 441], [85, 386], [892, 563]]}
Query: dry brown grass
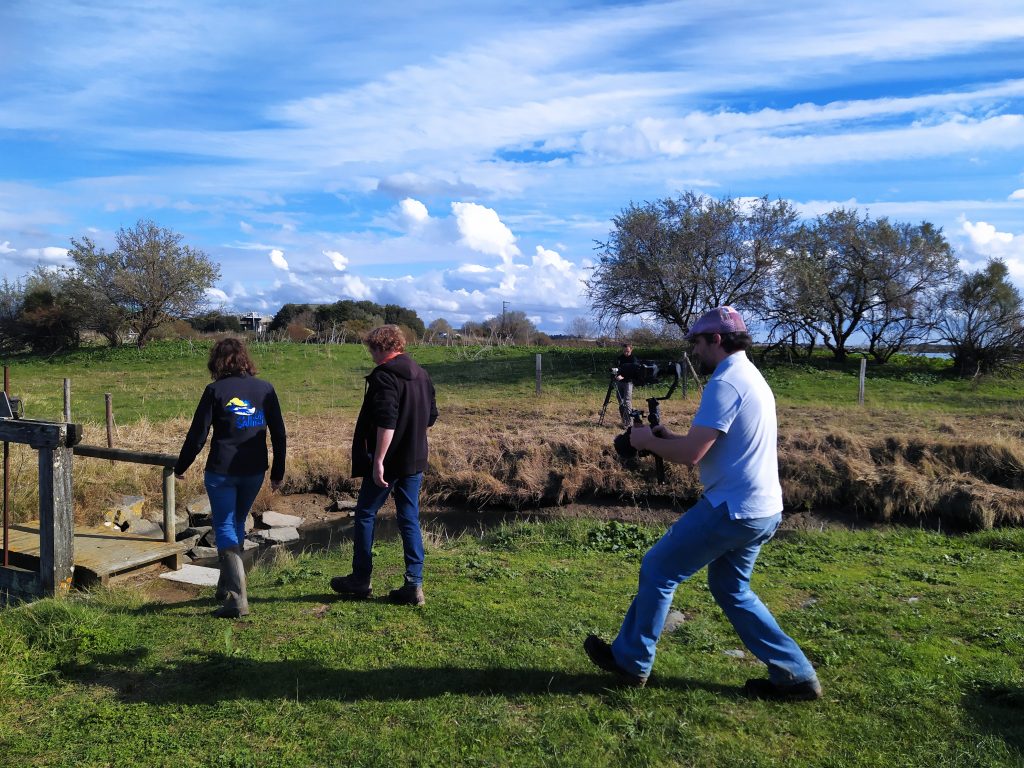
{"points": [[883, 466]]}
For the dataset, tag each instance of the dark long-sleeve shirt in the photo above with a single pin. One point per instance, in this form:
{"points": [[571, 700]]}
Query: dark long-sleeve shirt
{"points": [[240, 409], [399, 396]]}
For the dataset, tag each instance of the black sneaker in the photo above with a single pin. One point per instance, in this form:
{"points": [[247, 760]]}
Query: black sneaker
{"points": [[350, 586], [407, 594], [808, 690], [599, 652]]}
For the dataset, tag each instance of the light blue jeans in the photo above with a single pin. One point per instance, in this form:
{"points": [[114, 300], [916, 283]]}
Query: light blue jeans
{"points": [[231, 498], [706, 536]]}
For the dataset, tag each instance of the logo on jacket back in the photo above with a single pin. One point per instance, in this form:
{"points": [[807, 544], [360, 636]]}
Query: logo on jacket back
{"points": [[246, 415]]}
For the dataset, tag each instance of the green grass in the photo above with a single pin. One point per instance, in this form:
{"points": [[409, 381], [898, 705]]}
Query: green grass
{"points": [[164, 380], [918, 639]]}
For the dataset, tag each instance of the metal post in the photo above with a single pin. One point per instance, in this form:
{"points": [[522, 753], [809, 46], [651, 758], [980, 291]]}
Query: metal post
{"points": [[860, 384], [110, 419], [169, 533], [7, 474]]}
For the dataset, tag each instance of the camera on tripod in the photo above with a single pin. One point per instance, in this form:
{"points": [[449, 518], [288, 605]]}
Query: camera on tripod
{"points": [[642, 373]]}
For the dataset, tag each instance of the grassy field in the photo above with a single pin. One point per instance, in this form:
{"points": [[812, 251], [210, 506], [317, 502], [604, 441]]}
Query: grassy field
{"points": [[918, 639], [926, 446], [165, 379]]}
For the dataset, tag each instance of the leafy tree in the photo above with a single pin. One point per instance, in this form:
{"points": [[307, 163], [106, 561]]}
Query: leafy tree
{"points": [[982, 319], [216, 322], [150, 276], [675, 258], [287, 314], [39, 315]]}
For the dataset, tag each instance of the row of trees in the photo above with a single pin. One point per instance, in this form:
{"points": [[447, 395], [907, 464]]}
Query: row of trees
{"points": [[149, 278], [837, 279]]}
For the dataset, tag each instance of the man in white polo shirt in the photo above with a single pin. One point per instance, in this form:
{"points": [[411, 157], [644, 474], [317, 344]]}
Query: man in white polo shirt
{"points": [[733, 437]]}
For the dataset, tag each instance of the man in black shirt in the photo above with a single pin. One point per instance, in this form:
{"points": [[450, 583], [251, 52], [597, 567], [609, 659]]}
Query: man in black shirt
{"points": [[389, 452], [626, 365]]}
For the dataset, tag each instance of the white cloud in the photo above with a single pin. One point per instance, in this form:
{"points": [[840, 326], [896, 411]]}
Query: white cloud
{"points": [[337, 259], [5, 247], [413, 212], [1017, 194], [217, 296], [278, 260], [246, 227], [50, 255], [483, 231], [982, 233]]}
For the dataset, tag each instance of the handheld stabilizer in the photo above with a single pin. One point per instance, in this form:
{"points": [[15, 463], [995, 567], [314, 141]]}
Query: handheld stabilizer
{"points": [[627, 451]]}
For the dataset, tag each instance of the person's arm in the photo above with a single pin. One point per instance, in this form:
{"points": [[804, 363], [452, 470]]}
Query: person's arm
{"points": [[680, 449], [433, 406], [384, 437], [196, 437], [278, 438]]}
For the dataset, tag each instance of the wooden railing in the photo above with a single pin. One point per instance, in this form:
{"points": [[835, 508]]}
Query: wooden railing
{"points": [[165, 460]]}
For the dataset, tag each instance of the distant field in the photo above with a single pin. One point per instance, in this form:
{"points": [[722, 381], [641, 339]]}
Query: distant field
{"points": [[165, 379]]}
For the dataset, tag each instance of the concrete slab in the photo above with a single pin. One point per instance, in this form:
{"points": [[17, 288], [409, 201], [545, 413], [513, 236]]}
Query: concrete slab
{"points": [[194, 574]]}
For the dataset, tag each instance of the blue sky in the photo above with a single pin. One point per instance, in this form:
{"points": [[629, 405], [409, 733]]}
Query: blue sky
{"points": [[451, 156]]}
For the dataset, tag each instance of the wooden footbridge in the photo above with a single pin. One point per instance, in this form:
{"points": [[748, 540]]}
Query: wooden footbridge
{"points": [[44, 557]]}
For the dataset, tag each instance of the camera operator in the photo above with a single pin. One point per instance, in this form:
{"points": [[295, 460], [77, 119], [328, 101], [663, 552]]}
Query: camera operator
{"points": [[625, 364], [733, 438]]}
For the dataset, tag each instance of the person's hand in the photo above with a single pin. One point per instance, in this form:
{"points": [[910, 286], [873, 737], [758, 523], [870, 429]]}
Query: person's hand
{"points": [[641, 437], [662, 432], [378, 474], [619, 377]]}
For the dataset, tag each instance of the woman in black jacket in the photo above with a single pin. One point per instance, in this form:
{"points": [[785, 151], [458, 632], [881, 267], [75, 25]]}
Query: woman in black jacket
{"points": [[240, 408]]}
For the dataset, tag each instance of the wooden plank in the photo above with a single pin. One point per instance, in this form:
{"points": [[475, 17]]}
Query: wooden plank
{"points": [[38, 434], [122, 454], [100, 552]]}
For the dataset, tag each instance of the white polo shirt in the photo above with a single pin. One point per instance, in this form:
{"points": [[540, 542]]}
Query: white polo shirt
{"points": [[742, 467]]}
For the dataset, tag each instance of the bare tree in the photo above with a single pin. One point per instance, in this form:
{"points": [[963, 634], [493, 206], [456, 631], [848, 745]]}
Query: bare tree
{"points": [[150, 277], [675, 258]]}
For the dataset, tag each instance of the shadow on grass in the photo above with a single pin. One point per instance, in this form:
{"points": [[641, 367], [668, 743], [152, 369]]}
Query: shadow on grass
{"points": [[205, 678], [998, 708]]}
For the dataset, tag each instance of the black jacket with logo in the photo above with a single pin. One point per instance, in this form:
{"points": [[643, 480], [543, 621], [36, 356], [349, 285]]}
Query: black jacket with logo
{"points": [[400, 396], [241, 409]]}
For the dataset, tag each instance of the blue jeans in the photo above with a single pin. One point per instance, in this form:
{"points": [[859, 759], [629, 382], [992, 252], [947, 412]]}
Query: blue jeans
{"points": [[706, 536], [231, 498], [407, 507]]}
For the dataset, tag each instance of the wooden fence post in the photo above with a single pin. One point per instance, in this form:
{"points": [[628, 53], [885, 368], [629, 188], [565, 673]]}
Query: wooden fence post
{"points": [[56, 523], [860, 383], [67, 401], [169, 521], [538, 373]]}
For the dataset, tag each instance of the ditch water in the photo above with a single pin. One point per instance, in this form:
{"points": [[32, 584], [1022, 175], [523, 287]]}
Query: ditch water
{"points": [[322, 533]]}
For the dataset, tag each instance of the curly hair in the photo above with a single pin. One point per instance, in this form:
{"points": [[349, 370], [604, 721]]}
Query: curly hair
{"points": [[386, 338], [229, 357]]}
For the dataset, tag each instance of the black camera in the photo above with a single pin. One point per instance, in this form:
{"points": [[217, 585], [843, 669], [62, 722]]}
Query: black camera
{"points": [[621, 442]]}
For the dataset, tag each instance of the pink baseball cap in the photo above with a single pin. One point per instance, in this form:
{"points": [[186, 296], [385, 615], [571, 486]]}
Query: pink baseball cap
{"points": [[718, 320]]}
